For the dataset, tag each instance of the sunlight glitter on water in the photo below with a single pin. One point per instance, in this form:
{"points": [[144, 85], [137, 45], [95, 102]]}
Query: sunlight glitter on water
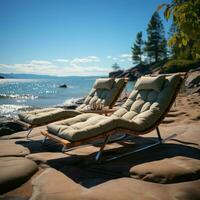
{"points": [[9, 110], [18, 96]]}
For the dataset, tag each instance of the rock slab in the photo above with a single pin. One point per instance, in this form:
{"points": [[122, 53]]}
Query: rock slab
{"points": [[169, 170], [11, 148], [15, 171], [52, 184]]}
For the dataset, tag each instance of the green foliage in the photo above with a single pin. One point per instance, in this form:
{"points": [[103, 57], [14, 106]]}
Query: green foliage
{"points": [[173, 66], [115, 67], [156, 44], [183, 53], [185, 15], [137, 49]]}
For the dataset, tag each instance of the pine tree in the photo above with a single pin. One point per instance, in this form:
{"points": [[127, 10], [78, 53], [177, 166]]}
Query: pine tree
{"points": [[115, 67], [156, 44], [137, 49]]}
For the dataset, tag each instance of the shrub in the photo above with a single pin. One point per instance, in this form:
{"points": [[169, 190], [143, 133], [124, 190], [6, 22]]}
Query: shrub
{"points": [[174, 66]]}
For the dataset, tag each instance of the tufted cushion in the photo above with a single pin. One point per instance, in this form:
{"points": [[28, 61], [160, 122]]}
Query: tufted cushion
{"points": [[145, 107], [141, 110], [85, 125], [103, 96], [82, 126], [104, 83], [46, 115], [150, 83]]}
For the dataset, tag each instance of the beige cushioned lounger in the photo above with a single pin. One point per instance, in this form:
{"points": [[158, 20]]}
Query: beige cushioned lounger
{"points": [[104, 91], [140, 112]]}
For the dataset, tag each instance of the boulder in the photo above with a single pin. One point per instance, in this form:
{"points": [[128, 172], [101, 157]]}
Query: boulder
{"points": [[169, 170], [15, 171], [115, 74], [192, 82], [195, 90], [63, 86], [5, 131], [8, 127], [132, 73]]}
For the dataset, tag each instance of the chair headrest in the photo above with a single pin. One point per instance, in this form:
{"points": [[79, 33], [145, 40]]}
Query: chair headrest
{"points": [[150, 83], [104, 83]]}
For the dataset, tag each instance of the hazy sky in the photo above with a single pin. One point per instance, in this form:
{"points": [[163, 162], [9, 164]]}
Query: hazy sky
{"points": [[70, 37]]}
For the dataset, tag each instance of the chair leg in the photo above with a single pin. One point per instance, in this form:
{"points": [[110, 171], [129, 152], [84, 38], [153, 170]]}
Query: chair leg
{"points": [[160, 140], [134, 151], [64, 149], [29, 133], [44, 140], [98, 155], [158, 133]]}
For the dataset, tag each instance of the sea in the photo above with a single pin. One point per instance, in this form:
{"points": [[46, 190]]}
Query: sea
{"points": [[18, 95]]}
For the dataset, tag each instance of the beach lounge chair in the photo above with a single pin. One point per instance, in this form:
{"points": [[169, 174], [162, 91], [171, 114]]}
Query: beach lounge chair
{"points": [[105, 91], [142, 112]]}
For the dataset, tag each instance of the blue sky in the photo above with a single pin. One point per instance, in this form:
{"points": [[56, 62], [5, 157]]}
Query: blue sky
{"points": [[71, 37]]}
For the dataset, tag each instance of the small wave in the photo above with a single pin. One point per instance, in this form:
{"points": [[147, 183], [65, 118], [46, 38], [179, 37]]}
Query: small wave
{"points": [[18, 96], [15, 81], [9, 110], [71, 86], [71, 101], [50, 92]]}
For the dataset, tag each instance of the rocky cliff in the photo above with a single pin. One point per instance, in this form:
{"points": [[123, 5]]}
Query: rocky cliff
{"points": [[192, 82], [133, 73]]}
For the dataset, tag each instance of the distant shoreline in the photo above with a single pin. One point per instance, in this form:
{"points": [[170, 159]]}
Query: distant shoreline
{"points": [[37, 76]]}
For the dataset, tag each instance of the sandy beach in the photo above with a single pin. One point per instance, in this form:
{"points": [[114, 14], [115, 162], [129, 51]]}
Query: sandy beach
{"points": [[39, 171]]}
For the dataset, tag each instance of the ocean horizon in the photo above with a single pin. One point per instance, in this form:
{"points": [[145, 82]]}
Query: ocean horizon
{"points": [[18, 95]]}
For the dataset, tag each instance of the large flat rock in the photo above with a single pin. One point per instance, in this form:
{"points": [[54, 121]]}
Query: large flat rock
{"points": [[54, 159], [127, 188], [183, 150], [14, 171], [190, 135], [52, 184], [35, 132], [59, 159], [11, 148], [169, 170]]}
